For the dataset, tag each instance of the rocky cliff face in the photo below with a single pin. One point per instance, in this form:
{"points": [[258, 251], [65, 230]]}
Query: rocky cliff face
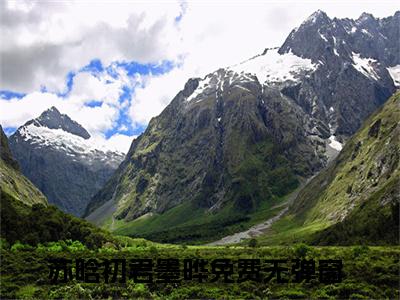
{"points": [[355, 58], [59, 157], [323, 39], [246, 135]]}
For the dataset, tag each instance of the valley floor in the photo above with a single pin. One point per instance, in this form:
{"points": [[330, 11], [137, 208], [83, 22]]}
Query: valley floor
{"points": [[254, 231], [261, 228]]}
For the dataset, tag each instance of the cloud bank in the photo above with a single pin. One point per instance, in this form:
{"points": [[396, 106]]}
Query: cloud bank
{"points": [[112, 66]]}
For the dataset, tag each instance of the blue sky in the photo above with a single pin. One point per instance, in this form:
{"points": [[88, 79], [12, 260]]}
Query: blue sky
{"points": [[133, 68]]}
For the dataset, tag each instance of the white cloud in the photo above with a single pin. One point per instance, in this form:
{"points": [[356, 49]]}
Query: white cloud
{"points": [[15, 112], [94, 119], [43, 41], [86, 87], [120, 142], [100, 87], [123, 128], [155, 94]]}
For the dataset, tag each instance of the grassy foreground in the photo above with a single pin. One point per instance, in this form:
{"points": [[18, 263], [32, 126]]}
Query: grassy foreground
{"points": [[369, 272]]}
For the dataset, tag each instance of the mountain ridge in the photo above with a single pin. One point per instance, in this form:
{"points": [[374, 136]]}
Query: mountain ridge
{"points": [[53, 119], [60, 157]]}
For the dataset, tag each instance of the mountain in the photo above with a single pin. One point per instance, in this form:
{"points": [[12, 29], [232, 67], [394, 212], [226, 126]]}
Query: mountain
{"points": [[26, 215], [62, 160], [355, 200], [348, 52], [234, 144], [320, 38]]}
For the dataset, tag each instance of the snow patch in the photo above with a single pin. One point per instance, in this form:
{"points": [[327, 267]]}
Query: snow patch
{"points": [[270, 67], [313, 18], [62, 140], [395, 74], [335, 52], [334, 143], [242, 87], [203, 85], [365, 66], [366, 32], [322, 36], [274, 67], [383, 36], [334, 46]]}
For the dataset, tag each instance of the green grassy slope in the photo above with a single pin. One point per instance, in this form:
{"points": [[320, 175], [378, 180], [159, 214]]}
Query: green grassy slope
{"points": [[189, 224], [18, 186], [40, 224], [260, 180], [12, 182], [356, 199]]}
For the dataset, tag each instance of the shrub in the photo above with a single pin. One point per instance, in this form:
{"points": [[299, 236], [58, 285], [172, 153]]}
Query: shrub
{"points": [[54, 247], [4, 244], [301, 250], [75, 246], [26, 292], [20, 247], [253, 243], [360, 250]]}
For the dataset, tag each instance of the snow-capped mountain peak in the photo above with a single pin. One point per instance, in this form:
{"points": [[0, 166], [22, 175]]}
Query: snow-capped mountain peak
{"points": [[62, 140], [274, 67], [59, 132], [268, 68], [53, 119], [316, 16], [60, 157]]}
